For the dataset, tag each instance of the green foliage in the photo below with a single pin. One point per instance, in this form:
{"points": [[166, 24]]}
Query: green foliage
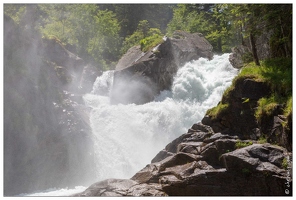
{"points": [[14, 11], [266, 106], [218, 110], [250, 71], [212, 20], [93, 31], [247, 57], [288, 108], [151, 41], [227, 25], [285, 163], [145, 36], [278, 73], [262, 139], [242, 144]]}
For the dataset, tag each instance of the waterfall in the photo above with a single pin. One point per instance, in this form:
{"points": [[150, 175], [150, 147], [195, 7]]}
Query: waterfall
{"points": [[127, 137]]}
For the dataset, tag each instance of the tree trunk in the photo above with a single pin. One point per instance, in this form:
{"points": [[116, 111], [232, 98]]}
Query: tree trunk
{"points": [[254, 49], [219, 45], [283, 36]]}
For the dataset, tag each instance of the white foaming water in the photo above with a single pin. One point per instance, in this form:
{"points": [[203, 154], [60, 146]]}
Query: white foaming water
{"points": [[56, 192], [127, 137]]}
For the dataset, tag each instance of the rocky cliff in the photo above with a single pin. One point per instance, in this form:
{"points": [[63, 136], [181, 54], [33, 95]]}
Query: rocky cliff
{"points": [[203, 163], [45, 122], [140, 76]]}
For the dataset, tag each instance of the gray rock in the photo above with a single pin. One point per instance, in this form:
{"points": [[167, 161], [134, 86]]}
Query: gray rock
{"points": [[140, 76], [236, 58]]}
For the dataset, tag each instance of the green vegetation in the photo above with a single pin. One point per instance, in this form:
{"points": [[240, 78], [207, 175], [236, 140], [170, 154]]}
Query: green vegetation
{"points": [[145, 36], [277, 73], [151, 41], [285, 163], [266, 107], [226, 25], [102, 33], [288, 109], [262, 140], [218, 110], [241, 144]]}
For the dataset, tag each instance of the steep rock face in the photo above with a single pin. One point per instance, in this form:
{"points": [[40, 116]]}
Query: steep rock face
{"points": [[75, 75], [140, 76], [204, 163], [239, 116], [45, 121]]}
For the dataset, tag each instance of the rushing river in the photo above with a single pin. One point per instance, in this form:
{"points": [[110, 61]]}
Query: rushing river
{"points": [[127, 137]]}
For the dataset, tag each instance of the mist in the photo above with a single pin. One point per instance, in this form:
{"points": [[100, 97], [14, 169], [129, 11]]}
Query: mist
{"points": [[46, 125]]}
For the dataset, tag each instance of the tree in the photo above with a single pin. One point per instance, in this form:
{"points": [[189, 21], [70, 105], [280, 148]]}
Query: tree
{"points": [[278, 18], [144, 36], [255, 19], [95, 32], [212, 20]]}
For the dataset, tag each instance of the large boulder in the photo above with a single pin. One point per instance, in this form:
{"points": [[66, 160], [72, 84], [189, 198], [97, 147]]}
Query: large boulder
{"points": [[140, 76]]}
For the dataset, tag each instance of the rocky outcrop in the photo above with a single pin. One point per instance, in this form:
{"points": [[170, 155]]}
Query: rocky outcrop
{"points": [[74, 73], [239, 53], [140, 76], [204, 163], [239, 116], [46, 124]]}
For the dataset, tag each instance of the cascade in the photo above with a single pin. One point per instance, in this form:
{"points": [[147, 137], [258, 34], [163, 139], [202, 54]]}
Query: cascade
{"points": [[127, 137]]}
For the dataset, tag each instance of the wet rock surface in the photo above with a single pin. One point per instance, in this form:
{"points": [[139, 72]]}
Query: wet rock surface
{"points": [[204, 163]]}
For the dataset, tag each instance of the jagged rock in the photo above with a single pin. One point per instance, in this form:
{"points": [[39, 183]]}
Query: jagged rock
{"points": [[211, 166], [151, 189], [254, 158], [239, 117], [42, 120], [140, 76], [197, 133], [254, 89]]}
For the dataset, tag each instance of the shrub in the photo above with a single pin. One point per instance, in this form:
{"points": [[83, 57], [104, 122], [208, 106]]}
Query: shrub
{"points": [[262, 140], [219, 109], [285, 163], [150, 42], [288, 108], [242, 144], [265, 107]]}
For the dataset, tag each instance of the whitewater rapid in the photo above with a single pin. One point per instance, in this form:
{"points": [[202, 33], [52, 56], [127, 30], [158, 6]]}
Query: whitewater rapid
{"points": [[127, 137]]}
